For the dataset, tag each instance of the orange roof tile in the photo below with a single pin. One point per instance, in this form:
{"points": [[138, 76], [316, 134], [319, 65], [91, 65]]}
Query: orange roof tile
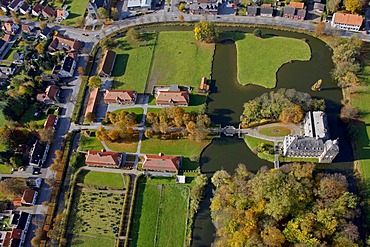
{"points": [[98, 158], [112, 96], [173, 97], [349, 19], [160, 162], [297, 5], [92, 101]]}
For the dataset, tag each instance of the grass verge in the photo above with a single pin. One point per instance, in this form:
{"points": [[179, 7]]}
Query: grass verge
{"points": [[274, 131], [89, 142], [102, 179]]}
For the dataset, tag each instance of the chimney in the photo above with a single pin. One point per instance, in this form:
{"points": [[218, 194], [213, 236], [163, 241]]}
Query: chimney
{"points": [[160, 154]]}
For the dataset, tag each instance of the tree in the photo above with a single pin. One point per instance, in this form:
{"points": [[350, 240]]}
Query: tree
{"points": [[182, 7], [133, 36], [332, 5], [47, 135], [94, 82], [40, 47], [206, 32], [43, 25], [114, 12], [257, 32], [181, 18], [77, 160], [293, 114], [348, 113], [12, 187], [90, 117], [354, 6], [2, 12], [102, 13], [320, 28], [81, 70], [12, 137]]}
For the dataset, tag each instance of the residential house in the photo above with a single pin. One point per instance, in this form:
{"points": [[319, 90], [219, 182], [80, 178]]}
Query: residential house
{"points": [[267, 10], [37, 10], [15, 5], [173, 98], [26, 28], [48, 12], [4, 5], [10, 27], [34, 183], [91, 104], [20, 223], [204, 86], [124, 97], [45, 33], [108, 63], [49, 96], [315, 142], [297, 5], [62, 43], [252, 10], [104, 159], [38, 154], [68, 67], [8, 37], [347, 21], [139, 4], [92, 12], [8, 70], [51, 122], [25, 8], [319, 7], [295, 10], [29, 197], [62, 14], [50, 78], [289, 11], [161, 162]]}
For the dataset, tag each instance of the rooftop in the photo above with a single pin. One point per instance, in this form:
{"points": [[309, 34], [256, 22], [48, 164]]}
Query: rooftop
{"points": [[349, 19], [103, 158], [112, 96], [161, 162]]}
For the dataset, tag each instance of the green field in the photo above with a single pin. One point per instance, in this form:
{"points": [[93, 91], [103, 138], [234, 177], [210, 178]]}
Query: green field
{"points": [[156, 220], [132, 64], [103, 179], [5, 169], [89, 142], [182, 147], [180, 59], [274, 131], [361, 101], [92, 241], [259, 59], [76, 9], [128, 147], [2, 117]]}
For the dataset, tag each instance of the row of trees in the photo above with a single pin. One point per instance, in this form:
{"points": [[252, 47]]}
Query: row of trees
{"points": [[286, 105], [353, 6], [283, 207]]}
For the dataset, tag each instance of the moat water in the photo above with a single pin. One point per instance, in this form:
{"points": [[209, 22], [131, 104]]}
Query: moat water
{"points": [[225, 105]]}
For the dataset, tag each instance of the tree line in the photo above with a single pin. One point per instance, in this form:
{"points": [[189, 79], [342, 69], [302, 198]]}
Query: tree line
{"points": [[286, 105], [289, 206]]}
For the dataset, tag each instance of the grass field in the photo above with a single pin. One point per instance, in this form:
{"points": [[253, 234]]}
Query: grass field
{"points": [[132, 64], [180, 59], [156, 222], [259, 59], [361, 101], [103, 179], [128, 147], [182, 147], [92, 241], [89, 143], [2, 117], [5, 169], [274, 131], [76, 9]]}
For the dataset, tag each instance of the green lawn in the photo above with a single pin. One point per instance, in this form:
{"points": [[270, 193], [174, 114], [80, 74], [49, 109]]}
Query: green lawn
{"points": [[2, 117], [95, 214], [9, 55], [259, 59], [103, 179], [5, 169], [182, 147], [28, 116], [154, 221], [76, 9], [180, 59], [132, 64], [274, 131], [89, 143], [128, 147]]}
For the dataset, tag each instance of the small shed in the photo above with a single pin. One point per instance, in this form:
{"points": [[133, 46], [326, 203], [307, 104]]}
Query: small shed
{"points": [[180, 179]]}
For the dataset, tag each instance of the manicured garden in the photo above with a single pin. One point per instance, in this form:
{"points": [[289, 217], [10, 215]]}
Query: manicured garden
{"points": [[89, 142], [157, 221], [274, 131], [76, 9], [183, 64], [132, 64], [103, 179], [260, 58]]}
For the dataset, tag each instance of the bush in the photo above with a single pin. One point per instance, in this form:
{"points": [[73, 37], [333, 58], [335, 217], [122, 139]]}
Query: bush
{"points": [[257, 32]]}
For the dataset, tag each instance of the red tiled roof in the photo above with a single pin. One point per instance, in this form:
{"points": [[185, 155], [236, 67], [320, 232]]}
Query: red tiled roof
{"points": [[159, 162], [48, 12], [37, 8], [16, 233], [7, 238], [98, 158], [50, 94], [173, 97], [113, 96], [297, 5], [28, 195], [50, 121], [92, 101], [60, 13], [17, 202], [108, 62], [73, 44], [349, 19]]}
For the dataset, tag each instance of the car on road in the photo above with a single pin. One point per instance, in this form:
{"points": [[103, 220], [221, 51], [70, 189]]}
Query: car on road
{"points": [[85, 34]]}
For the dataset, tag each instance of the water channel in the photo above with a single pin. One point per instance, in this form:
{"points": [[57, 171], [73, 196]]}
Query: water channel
{"points": [[225, 105]]}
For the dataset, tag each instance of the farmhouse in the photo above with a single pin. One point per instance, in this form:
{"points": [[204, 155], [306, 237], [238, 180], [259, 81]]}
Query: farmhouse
{"points": [[49, 96], [91, 104], [124, 97], [161, 162], [347, 21], [104, 159], [108, 63], [315, 142]]}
